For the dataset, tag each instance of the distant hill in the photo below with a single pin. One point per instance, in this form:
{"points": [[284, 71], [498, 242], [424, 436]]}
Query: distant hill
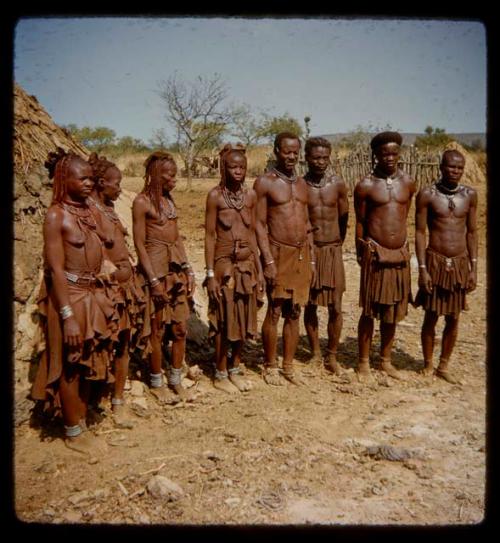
{"points": [[465, 138]]}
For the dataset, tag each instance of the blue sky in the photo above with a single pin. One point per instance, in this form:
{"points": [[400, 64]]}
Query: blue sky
{"points": [[343, 73]]}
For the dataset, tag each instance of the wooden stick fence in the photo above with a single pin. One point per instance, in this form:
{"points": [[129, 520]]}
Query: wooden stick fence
{"points": [[423, 166]]}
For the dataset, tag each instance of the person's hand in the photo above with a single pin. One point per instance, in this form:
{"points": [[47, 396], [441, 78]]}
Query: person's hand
{"points": [[424, 280], [270, 273], [159, 295], [191, 283], [213, 289], [71, 331], [472, 280], [313, 273], [261, 283]]}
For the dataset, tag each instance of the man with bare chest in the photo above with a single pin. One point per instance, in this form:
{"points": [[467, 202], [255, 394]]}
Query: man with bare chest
{"points": [[285, 241], [328, 212], [448, 267], [382, 201]]}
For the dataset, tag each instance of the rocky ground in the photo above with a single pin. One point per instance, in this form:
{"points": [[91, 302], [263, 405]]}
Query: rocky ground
{"points": [[334, 451]]}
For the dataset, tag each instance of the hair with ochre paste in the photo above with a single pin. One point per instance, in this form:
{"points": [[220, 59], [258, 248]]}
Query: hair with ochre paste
{"points": [[224, 153], [152, 186], [99, 164], [57, 164]]}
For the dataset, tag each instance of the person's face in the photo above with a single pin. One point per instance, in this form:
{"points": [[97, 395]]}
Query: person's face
{"points": [[167, 170], [318, 159], [388, 156], [236, 168], [110, 184], [78, 181], [287, 154], [452, 168]]}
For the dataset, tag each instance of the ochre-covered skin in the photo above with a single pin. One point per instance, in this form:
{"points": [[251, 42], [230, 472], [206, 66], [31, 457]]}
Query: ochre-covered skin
{"points": [[236, 289], [382, 201], [448, 264], [328, 212], [285, 242], [164, 272], [77, 347]]}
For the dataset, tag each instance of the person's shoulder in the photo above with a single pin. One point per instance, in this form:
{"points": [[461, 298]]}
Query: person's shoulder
{"points": [[55, 214], [141, 199], [470, 191], [364, 184], [426, 192], [263, 180], [338, 181], [406, 178]]}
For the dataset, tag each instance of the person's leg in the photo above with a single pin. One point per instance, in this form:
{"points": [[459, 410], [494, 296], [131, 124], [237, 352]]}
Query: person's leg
{"points": [[221, 377], [387, 333], [311, 326], [365, 333], [72, 408], [270, 342], [427, 336], [291, 314], [334, 328], [179, 331], [158, 388], [121, 373], [235, 371], [449, 339]]}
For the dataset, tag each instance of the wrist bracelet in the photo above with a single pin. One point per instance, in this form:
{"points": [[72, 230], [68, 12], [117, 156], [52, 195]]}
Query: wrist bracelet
{"points": [[210, 273], [314, 263], [185, 266], [269, 263], [66, 312], [154, 281], [423, 266], [473, 259]]}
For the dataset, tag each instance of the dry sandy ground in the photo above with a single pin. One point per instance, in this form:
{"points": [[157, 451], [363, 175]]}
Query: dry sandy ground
{"points": [[280, 455]]}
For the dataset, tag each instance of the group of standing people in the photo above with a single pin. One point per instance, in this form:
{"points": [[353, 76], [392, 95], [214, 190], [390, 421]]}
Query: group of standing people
{"points": [[281, 239]]}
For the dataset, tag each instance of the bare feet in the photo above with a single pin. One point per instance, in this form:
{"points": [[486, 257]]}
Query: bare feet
{"points": [[225, 385], [162, 394], [446, 375], [390, 370], [239, 382], [333, 365], [182, 393], [272, 376], [292, 377], [86, 443], [428, 369], [363, 371], [121, 417], [316, 359]]}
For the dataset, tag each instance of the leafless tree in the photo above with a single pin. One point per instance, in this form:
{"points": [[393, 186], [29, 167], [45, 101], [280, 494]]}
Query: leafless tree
{"points": [[198, 113], [246, 126]]}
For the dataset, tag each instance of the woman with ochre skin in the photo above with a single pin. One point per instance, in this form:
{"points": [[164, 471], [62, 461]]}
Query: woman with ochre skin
{"points": [[120, 281], [166, 273], [76, 313]]}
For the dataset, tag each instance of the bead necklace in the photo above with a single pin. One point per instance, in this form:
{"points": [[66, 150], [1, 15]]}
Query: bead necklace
{"points": [[449, 193], [234, 200], [322, 182], [281, 175]]}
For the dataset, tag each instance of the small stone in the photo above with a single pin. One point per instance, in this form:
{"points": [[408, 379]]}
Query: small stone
{"points": [[72, 516], [232, 502], [162, 487], [82, 496], [137, 388]]}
